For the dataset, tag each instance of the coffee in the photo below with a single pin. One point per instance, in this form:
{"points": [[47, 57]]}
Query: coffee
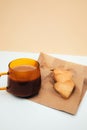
{"points": [[24, 81]]}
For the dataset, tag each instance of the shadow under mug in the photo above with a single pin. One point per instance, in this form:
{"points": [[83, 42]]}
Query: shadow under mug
{"points": [[24, 78]]}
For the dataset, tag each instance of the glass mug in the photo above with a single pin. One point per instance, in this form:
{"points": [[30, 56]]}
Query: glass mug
{"points": [[24, 78]]}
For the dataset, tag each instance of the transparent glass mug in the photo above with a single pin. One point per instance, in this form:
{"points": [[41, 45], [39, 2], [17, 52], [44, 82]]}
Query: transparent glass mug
{"points": [[24, 78]]}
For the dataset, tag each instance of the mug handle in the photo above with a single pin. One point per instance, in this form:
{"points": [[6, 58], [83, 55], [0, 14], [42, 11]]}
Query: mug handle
{"points": [[1, 74]]}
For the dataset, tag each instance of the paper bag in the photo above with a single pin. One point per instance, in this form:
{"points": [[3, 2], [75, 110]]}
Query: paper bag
{"points": [[48, 96]]}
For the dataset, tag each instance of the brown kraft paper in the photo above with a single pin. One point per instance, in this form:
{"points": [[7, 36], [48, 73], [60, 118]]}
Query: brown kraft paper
{"points": [[48, 96]]}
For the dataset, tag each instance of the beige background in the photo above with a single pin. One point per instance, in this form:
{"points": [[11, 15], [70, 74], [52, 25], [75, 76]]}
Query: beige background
{"points": [[54, 26]]}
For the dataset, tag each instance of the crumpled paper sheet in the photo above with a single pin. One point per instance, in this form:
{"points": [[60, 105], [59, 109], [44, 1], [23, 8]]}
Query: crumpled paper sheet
{"points": [[48, 96]]}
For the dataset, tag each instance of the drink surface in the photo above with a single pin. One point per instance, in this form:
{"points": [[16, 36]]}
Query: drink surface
{"points": [[24, 68]]}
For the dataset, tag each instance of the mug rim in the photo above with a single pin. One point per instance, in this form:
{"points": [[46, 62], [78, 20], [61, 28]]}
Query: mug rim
{"points": [[37, 65]]}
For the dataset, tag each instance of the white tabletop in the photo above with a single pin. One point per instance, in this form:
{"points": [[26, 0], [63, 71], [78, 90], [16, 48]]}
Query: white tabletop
{"points": [[22, 114]]}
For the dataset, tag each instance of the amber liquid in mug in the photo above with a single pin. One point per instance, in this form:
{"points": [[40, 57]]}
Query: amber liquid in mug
{"points": [[24, 88]]}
